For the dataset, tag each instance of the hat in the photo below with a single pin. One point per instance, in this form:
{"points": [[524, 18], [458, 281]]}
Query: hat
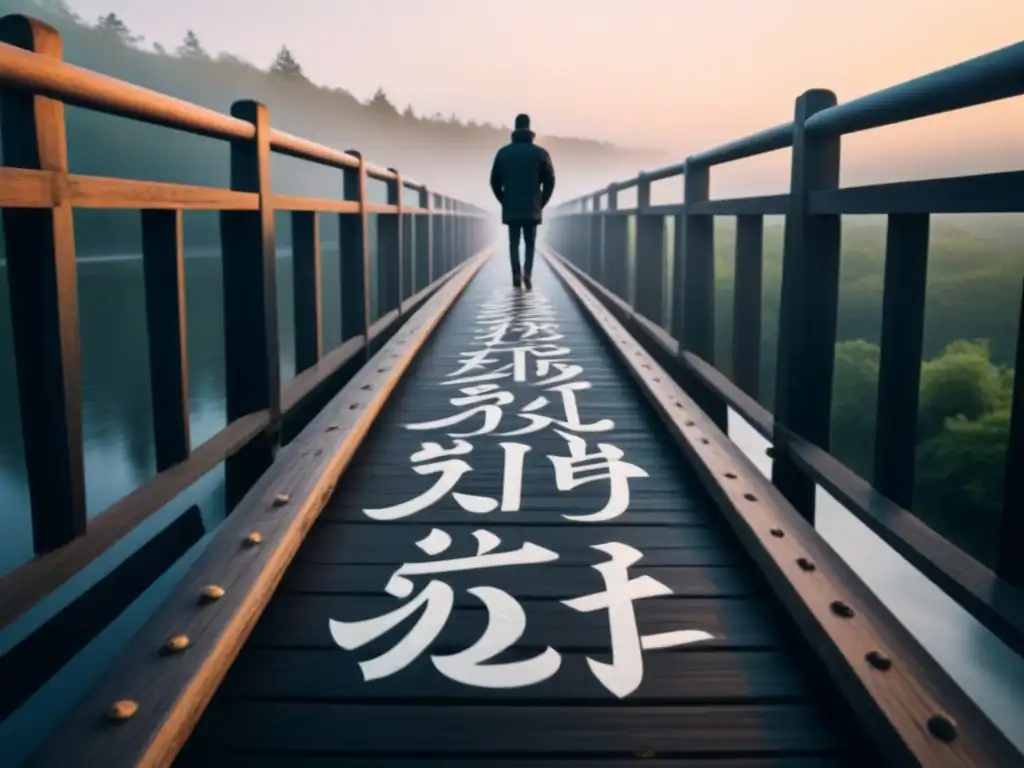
{"points": [[522, 122]]}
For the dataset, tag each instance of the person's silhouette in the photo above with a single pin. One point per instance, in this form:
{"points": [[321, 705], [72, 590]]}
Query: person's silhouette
{"points": [[522, 178]]}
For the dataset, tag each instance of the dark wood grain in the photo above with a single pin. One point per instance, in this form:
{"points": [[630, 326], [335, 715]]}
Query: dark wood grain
{"points": [[417, 730], [221, 760], [746, 688]]}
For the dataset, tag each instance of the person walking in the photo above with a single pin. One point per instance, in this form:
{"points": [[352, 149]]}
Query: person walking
{"points": [[523, 180]]}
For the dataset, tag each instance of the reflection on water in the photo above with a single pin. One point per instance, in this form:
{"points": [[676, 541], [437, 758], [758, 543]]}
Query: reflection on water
{"points": [[991, 673]]}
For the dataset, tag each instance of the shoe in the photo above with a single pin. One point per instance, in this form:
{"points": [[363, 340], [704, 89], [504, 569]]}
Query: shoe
{"points": [[515, 281], [527, 283]]}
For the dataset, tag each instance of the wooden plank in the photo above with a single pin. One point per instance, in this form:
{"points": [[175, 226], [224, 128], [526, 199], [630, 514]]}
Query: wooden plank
{"points": [[314, 204], [340, 543], [221, 760], [565, 582], [172, 690], [420, 731], [109, 193], [27, 188], [300, 621], [904, 706], [689, 677]]}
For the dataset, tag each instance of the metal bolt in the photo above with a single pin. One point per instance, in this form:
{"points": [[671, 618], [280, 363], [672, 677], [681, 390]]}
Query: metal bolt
{"points": [[281, 499], [253, 539], [749, 497], [777, 533], [331, 428], [878, 660], [210, 593], [805, 564], [353, 406], [942, 728], [177, 643], [122, 710], [841, 609], [705, 440], [731, 475], [688, 423]]}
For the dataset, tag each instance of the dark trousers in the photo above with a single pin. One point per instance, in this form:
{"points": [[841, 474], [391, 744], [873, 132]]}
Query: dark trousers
{"points": [[528, 231]]}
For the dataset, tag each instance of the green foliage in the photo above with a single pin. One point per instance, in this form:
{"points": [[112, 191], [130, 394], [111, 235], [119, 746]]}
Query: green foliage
{"points": [[285, 64]]}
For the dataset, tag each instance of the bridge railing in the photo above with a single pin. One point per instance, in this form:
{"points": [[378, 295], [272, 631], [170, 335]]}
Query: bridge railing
{"points": [[418, 246], [596, 242]]}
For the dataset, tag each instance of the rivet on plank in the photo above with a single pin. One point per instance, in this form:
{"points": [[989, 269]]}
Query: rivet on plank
{"points": [[778, 533], [878, 660], [252, 539], [688, 423], [805, 564], [122, 710], [942, 728], [841, 609], [731, 475], [353, 406], [177, 644], [705, 440], [749, 497], [281, 499], [211, 593]]}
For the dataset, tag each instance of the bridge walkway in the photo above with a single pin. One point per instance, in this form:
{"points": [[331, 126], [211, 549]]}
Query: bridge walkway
{"points": [[728, 680], [511, 539]]}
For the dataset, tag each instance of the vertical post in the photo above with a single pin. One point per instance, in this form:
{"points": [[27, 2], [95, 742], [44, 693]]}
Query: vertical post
{"points": [[698, 289], [425, 240], [408, 230], [807, 310], [746, 307], [163, 268], [389, 250], [250, 302], [650, 256], [355, 256], [1009, 563], [306, 289], [614, 241], [44, 304], [899, 370], [596, 257], [439, 251], [678, 319]]}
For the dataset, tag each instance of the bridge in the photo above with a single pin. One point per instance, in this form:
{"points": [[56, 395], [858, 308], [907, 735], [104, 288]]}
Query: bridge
{"points": [[491, 527]]}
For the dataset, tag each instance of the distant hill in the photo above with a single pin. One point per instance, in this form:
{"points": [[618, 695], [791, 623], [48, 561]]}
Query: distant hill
{"points": [[444, 152]]}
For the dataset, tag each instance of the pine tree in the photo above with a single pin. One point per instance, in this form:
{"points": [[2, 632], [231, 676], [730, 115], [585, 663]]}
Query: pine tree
{"points": [[285, 64], [112, 26], [191, 48], [381, 104]]}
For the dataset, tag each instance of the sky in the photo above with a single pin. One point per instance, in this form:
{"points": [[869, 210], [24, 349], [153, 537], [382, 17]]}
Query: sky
{"points": [[678, 75]]}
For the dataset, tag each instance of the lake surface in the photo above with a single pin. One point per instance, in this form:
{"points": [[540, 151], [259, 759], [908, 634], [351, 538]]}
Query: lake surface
{"points": [[119, 456]]}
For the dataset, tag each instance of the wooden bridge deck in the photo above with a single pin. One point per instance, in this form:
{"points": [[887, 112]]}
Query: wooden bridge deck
{"points": [[513, 539], [534, 686]]}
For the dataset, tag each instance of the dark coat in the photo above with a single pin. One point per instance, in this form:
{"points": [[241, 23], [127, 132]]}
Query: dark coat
{"points": [[522, 179]]}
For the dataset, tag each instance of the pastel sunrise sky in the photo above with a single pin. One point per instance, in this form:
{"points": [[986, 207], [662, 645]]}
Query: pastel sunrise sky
{"points": [[681, 75]]}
